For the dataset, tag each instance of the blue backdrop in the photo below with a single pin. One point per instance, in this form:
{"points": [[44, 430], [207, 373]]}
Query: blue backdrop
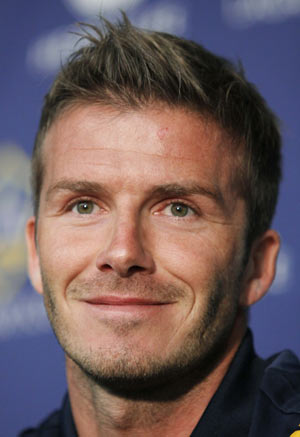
{"points": [[34, 39]]}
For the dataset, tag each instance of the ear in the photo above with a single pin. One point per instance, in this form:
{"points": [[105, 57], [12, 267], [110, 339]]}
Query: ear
{"points": [[261, 268], [33, 256]]}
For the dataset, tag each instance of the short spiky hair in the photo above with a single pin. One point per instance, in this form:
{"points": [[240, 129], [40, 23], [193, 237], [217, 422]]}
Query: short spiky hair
{"points": [[126, 67]]}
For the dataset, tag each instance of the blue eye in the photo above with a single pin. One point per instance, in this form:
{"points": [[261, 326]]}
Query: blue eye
{"points": [[84, 207]]}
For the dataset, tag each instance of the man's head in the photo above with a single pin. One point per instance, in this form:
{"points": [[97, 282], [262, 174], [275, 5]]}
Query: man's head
{"points": [[149, 183], [126, 68]]}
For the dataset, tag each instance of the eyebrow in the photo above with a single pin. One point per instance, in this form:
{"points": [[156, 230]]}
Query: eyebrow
{"points": [[189, 188], [171, 190], [76, 187]]}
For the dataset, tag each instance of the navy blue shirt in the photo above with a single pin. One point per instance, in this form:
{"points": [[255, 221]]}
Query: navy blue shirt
{"points": [[257, 398]]}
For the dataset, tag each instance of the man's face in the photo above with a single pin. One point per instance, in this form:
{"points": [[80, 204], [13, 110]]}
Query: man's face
{"points": [[140, 239]]}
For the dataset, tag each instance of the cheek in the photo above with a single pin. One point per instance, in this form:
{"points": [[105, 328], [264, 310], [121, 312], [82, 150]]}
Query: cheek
{"points": [[194, 258], [200, 264], [65, 252]]}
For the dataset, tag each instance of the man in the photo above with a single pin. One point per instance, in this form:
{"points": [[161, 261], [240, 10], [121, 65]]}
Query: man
{"points": [[155, 177]]}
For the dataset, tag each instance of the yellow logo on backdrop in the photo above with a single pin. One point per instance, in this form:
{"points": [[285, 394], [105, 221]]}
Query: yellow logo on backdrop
{"points": [[15, 208]]}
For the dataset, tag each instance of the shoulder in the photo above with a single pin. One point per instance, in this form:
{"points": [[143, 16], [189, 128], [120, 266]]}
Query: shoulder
{"points": [[277, 409], [50, 427], [281, 382]]}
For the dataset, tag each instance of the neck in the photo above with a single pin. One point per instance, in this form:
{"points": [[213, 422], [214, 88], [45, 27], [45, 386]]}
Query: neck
{"points": [[99, 412]]}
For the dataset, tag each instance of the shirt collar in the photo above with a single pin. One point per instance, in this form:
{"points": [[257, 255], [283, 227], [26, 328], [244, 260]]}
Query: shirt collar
{"points": [[229, 411], [68, 424]]}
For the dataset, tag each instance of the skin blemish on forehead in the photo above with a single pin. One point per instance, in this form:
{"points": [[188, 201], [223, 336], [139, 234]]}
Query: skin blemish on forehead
{"points": [[162, 132]]}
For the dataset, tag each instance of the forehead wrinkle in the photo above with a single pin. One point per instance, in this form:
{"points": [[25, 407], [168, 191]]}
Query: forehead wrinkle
{"points": [[155, 155]]}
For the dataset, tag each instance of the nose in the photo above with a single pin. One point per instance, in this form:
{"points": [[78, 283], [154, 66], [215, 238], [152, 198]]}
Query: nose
{"points": [[125, 253]]}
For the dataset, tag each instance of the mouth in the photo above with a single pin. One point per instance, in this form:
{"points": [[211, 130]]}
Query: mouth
{"points": [[114, 306], [123, 301]]}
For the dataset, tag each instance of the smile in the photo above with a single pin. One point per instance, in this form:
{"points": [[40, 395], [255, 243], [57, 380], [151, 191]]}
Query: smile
{"points": [[123, 301], [131, 306]]}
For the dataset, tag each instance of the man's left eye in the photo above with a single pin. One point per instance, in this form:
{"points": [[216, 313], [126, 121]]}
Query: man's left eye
{"points": [[179, 210], [84, 207]]}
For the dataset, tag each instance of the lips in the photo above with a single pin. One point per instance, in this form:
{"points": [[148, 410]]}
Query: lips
{"points": [[114, 310], [123, 301]]}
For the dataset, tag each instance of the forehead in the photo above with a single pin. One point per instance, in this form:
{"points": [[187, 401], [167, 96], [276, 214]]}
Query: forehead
{"points": [[92, 141]]}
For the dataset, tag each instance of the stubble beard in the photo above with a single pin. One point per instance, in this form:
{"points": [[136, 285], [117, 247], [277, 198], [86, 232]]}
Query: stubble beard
{"points": [[127, 372]]}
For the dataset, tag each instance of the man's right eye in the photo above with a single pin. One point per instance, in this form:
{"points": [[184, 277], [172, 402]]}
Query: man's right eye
{"points": [[84, 207]]}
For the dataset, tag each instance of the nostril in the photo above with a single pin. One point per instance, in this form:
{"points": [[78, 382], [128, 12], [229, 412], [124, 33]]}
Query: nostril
{"points": [[125, 261], [106, 268], [123, 271], [135, 269]]}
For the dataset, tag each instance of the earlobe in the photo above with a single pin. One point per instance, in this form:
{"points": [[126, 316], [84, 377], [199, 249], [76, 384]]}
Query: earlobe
{"points": [[33, 256], [261, 268]]}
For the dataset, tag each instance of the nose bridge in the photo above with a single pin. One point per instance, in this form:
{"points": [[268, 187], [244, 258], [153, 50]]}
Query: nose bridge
{"points": [[126, 234], [125, 251]]}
